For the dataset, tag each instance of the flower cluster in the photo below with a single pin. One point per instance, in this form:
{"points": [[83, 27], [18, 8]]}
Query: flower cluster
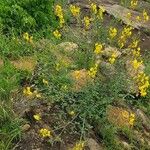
{"points": [[87, 21], [37, 117], [94, 8], [130, 117], [45, 82], [101, 11], [145, 16], [79, 146], [57, 34], [112, 32], [125, 34], [71, 113], [59, 14], [28, 38], [143, 83], [29, 92], [45, 133], [112, 58], [136, 64], [98, 48], [93, 71], [75, 10], [133, 3]]}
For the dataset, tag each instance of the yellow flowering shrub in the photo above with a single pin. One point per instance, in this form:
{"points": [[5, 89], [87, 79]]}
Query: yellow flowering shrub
{"points": [[136, 64], [93, 71], [87, 21], [143, 83], [79, 146], [112, 32], [145, 16], [59, 14], [75, 10], [112, 58], [37, 117], [27, 91], [27, 37], [100, 13], [45, 133], [57, 34], [94, 8], [98, 48], [133, 3]]}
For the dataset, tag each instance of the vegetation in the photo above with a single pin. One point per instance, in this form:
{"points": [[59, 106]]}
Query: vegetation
{"points": [[68, 73]]}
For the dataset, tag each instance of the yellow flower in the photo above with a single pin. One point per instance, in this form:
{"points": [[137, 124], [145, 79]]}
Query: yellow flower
{"points": [[101, 12], [28, 38], [59, 14], [87, 21], [98, 48], [37, 117], [93, 71], [94, 8], [145, 16], [125, 114], [72, 113], [112, 58], [112, 32], [27, 91], [31, 39], [136, 64], [57, 34], [136, 52], [45, 81], [132, 119], [38, 95], [134, 44], [125, 34], [45, 133], [77, 74], [143, 83], [58, 10], [133, 3], [79, 146], [75, 10], [138, 18], [129, 15]]}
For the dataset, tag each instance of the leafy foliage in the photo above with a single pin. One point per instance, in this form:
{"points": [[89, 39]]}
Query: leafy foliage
{"points": [[26, 15]]}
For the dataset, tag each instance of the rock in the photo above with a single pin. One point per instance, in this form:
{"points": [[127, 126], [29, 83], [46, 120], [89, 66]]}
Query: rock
{"points": [[118, 116], [107, 69], [131, 71], [25, 63], [93, 145], [126, 145], [26, 127], [121, 12], [144, 118], [80, 78], [68, 46], [108, 51]]}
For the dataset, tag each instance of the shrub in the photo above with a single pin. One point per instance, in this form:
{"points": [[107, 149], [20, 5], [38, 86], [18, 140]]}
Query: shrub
{"points": [[26, 15]]}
